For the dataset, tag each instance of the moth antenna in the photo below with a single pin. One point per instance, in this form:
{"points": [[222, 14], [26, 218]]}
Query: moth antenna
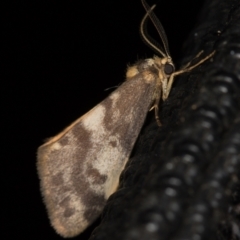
{"points": [[143, 30]]}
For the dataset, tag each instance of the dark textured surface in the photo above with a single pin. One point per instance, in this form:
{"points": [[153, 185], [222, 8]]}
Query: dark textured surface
{"points": [[60, 56], [183, 181]]}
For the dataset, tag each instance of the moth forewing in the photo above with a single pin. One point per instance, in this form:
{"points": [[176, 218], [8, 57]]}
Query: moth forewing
{"points": [[80, 167]]}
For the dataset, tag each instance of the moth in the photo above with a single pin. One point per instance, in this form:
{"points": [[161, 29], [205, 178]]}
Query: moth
{"points": [[80, 167]]}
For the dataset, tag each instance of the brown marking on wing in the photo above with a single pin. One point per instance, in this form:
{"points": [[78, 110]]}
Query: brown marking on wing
{"points": [[63, 141], [57, 179], [68, 211], [93, 202], [95, 175], [113, 143]]}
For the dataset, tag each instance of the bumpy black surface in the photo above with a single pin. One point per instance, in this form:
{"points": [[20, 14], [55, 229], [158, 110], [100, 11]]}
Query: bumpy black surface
{"points": [[183, 180]]}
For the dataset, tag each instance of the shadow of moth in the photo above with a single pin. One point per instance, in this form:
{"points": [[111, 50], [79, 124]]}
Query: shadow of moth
{"points": [[80, 167]]}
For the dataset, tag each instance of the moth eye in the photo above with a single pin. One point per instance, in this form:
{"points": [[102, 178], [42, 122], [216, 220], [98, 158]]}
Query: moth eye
{"points": [[168, 68]]}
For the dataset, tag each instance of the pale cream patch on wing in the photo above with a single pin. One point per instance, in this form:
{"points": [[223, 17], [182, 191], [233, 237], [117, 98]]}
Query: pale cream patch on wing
{"points": [[108, 162], [114, 96], [111, 163], [94, 119], [115, 111], [56, 146], [113, 181], [109, 155]]}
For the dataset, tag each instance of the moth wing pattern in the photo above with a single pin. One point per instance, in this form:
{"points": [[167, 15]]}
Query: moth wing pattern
{"points": [[80, 167]]}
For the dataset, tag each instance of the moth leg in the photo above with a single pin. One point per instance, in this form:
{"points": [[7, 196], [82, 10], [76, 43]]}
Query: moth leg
{"points": [[169, 86], [170, 82], [156, 103], [189, 63]]}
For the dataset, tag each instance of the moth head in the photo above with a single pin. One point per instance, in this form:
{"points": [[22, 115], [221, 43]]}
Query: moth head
{"points": [[164, 65], [169, 67]]}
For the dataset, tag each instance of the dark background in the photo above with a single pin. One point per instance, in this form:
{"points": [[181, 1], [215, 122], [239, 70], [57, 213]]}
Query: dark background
{"points": [[59, 57]]}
